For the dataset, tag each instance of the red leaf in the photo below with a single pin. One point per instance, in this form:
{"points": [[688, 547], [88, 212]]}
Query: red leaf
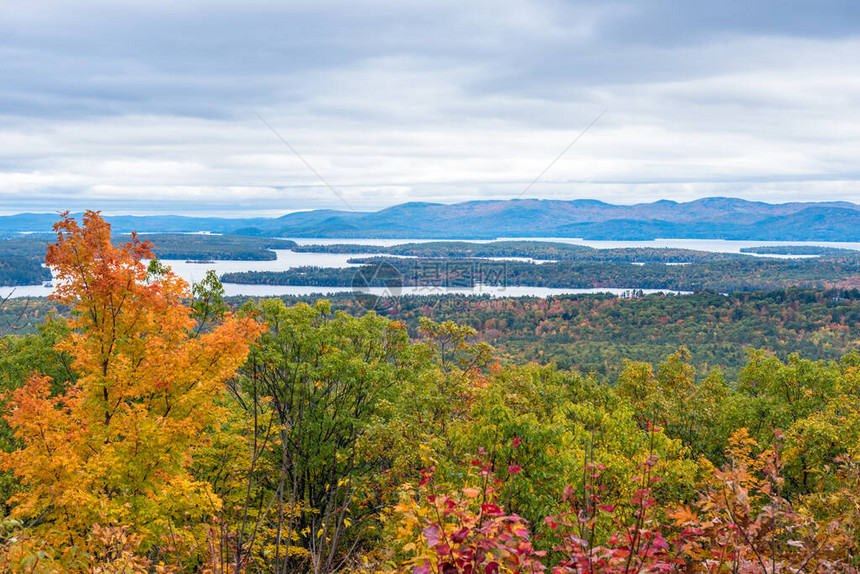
{"points": [[491, 510]]}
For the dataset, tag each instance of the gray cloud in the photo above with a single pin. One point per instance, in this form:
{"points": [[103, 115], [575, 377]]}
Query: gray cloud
{"points": [[150, 106]]}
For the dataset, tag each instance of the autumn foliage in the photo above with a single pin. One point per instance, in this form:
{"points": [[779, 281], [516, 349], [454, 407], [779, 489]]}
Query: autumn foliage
{"points": [[115, 447], [157, 430], [739, 524]]}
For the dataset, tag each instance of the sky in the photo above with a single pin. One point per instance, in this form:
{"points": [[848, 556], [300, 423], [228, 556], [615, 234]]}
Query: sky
{"points": [[261, 108]]}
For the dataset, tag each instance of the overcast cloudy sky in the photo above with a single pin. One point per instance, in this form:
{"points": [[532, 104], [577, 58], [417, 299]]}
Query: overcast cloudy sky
{"points": [[151, 106]]}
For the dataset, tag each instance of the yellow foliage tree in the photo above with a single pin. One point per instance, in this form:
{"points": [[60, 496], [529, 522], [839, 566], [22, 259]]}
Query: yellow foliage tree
{"points": [[115, 448]]}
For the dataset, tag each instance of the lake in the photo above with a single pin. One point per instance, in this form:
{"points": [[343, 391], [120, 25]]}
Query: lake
{"points": [[287, 259]]}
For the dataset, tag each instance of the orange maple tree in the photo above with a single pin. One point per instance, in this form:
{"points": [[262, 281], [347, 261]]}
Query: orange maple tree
{"points": [[115, 447]]}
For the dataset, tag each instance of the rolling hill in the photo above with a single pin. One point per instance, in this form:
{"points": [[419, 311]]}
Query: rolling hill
{"points": [[708, 218]]}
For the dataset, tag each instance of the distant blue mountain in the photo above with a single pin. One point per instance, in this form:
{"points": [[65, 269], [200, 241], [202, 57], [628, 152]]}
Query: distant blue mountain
{"points": [[708, 218]]}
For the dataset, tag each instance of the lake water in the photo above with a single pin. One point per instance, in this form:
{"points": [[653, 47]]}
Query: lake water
{"points": [[287, 259], [194, 272], [233, 289]]}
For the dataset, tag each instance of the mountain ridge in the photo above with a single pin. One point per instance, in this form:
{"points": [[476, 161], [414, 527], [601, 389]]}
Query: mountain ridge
{"points": [[705, 218]]}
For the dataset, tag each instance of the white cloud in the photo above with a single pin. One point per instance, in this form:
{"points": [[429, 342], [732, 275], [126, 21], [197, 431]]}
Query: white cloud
{"points": [[128, 107]]}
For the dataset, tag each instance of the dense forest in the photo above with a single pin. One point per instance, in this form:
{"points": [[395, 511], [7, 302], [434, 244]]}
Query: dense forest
{"points": [[203, 246], [721, 275], [155, 429], [595, 333], [15, 271], [21, 260], [538, 250]]}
